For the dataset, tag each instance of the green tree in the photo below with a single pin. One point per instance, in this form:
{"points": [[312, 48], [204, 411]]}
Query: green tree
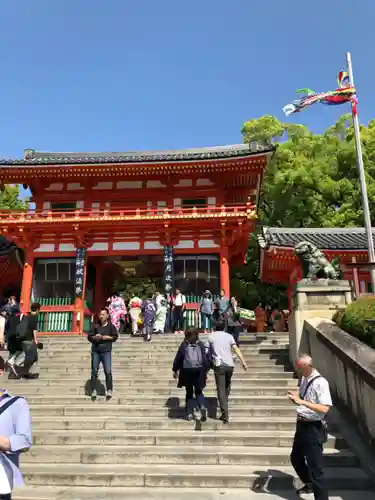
{"points": [[247, 287], [10, 199], [312, 181]]}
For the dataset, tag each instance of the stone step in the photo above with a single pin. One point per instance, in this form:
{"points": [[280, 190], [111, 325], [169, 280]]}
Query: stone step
{"points": [[84, 373], [64, 369], [133, 394], [119, 493], [164, 343], [162, 336], [171, 343], [165, 382], [174, 455], [151, 366], [159, 348], [165, 337], [207, 476], [42, 424], [224, 436], [167, 356], [103, 409], [158, 401], [154, 360], [129, 346]]}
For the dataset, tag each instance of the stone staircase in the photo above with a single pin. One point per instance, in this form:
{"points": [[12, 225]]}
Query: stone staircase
{"points": [[138, 446]]}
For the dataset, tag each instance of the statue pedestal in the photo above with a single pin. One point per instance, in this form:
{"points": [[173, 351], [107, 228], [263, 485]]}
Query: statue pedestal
{"points": [[311, 299]]}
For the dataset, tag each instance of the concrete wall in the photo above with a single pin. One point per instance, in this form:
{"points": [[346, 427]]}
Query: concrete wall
{"points": [[317, 299], [349, 366]]}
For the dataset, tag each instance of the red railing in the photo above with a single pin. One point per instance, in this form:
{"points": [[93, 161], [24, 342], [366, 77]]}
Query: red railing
{"points": [[95, 214]]}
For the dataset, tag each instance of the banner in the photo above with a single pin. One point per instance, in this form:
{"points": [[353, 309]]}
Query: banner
{"points": [[168, 270], [80, 271]]}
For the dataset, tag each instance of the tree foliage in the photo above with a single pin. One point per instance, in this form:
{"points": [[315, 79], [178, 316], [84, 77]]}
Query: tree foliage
{"points": [[312, 181], [10, 200]]}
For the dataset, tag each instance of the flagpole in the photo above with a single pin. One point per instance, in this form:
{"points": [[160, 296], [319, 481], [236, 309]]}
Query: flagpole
{"points": [[362, 180]]}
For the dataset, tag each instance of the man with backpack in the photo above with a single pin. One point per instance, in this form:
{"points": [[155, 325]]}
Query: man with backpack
{"points": [[15, 438], [191, 366], [22, 334]]}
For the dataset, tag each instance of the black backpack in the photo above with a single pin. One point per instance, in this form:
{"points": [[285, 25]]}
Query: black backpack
{"points": [[22, 328]]}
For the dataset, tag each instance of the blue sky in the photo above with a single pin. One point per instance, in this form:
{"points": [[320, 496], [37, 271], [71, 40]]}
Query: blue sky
{"points": [[88, 75]]}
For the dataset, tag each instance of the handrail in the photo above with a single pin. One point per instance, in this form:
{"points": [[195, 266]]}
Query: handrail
{"points": [[12, 216]]}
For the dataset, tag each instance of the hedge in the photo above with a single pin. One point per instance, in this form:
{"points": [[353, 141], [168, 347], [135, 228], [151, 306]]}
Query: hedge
{"points": [[354, 318]]}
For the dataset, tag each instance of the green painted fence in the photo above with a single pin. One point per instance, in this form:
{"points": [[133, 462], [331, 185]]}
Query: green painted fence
{"points": [[192, 318], [55, 322], [54, 301], [194, 299], [59, 321]]}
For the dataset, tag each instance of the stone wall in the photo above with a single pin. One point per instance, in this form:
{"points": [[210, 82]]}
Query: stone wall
{"points": [[318, 299], [349, 366]]}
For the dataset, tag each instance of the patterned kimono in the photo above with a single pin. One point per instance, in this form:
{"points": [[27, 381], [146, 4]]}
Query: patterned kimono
{"points": [[117, 310]]}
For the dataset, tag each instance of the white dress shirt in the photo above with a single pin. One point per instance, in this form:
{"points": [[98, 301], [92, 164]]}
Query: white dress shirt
{"points": [[317, 393]]}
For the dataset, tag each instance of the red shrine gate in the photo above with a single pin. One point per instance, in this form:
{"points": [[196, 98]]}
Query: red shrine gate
{"points": [[120, 207]]}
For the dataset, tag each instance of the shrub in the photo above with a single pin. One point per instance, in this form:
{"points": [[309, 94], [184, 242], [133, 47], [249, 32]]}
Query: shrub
{"points": [[354, 318]]}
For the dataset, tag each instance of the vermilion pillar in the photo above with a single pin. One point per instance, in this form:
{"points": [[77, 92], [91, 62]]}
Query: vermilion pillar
{"points": [[224, 270], [27, 281], [99, 300]]}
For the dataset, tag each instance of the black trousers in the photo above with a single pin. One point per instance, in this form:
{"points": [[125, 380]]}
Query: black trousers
{"points": [[223, 379], [235, 331], [31, 354], [5, 497], [178, 315], [193, 386], [307, 456]]}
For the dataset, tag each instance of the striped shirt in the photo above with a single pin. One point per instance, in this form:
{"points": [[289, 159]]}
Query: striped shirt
{"points": [[317, 393]]}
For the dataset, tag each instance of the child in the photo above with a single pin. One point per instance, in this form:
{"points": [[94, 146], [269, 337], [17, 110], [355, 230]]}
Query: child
{"points": [[190, 366]]}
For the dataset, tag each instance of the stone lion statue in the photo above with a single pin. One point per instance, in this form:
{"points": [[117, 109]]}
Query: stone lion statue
{"points": [[315, 264]]}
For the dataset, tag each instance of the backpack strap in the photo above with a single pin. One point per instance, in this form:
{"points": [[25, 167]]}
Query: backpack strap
{"points": [[302, 396], [8, 404]]}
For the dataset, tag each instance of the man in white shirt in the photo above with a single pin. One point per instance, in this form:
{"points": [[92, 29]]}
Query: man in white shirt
{"points": [[222, 345], [313, 403]]}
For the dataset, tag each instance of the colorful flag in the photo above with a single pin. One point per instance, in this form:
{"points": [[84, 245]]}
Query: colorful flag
{"points": [[343, 79], [345, 93]]}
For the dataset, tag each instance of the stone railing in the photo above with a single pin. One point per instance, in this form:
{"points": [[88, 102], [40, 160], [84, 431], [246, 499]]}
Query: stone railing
{"points": [[349, 366]]}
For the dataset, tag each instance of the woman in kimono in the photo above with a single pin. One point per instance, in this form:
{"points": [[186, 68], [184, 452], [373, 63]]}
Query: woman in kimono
{"points": [[260, 318], [161, 315], [117, 310]]}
